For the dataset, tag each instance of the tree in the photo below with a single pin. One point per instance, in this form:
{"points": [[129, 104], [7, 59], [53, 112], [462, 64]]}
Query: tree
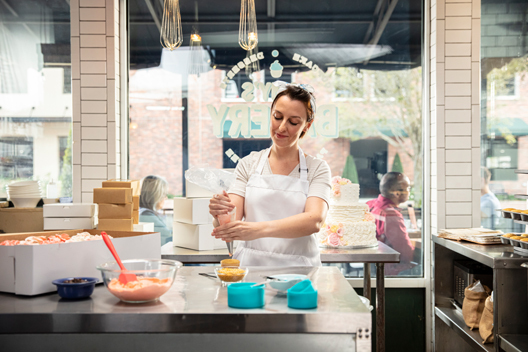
{"points": [[350, 170], [397, 164], [66, 175]]}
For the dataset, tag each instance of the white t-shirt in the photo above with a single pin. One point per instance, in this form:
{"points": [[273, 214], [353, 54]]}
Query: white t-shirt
{"points": [[319, 175]]}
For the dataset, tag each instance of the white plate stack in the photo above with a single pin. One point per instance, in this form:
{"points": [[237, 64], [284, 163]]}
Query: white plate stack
{"points": [[24, 194]]}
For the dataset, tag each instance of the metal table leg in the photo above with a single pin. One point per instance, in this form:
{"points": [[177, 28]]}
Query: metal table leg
{"points": [[366, 281], [380, 307]]}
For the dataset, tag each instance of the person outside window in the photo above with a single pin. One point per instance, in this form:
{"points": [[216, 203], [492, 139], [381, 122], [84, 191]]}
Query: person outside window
{"points": [[489, 204], [154, 191], [390, 227]]}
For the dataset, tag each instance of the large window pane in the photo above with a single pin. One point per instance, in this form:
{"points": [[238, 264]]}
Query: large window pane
{"points": [[35, 93], [366, 74]]}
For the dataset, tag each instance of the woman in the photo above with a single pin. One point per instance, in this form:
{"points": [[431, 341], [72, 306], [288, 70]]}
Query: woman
{"points": [[280, 192], [154, 191]]}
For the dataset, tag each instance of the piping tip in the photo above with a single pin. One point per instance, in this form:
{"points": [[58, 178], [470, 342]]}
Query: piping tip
{"points": [[230, 248]]}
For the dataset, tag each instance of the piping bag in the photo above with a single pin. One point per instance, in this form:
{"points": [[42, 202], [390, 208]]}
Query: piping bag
{"points": [[216, 181]]}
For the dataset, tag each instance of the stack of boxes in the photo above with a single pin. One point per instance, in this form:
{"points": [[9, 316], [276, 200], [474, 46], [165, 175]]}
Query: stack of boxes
{"points": [[193, 225], [118, 202], [69, 216]]}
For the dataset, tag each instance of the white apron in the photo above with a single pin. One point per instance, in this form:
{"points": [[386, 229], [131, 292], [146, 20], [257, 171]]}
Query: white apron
{"points": [[275, 197]]}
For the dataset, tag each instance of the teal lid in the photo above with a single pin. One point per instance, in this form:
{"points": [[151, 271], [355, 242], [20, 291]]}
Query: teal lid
{"points": [[242, 295], [302, 296]]}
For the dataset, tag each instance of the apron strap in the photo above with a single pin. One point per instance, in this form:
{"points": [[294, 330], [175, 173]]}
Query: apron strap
{"points": [[303, 169], [262, 162]]}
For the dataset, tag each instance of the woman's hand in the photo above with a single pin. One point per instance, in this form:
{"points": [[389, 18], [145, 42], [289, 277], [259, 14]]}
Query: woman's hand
{"points": [[239, 231], [220, 204]]}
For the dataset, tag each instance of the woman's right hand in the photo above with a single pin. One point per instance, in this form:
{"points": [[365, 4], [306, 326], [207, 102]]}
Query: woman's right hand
{"points": [[220, 204]]}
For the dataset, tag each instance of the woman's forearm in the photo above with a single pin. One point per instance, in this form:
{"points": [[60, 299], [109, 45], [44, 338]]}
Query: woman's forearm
{"points": [[295, 226]]}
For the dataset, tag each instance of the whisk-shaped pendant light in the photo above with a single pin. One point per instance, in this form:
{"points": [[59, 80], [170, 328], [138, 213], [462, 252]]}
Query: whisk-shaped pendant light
{"points": [[247, 31], [254, 66], [171, 28]]}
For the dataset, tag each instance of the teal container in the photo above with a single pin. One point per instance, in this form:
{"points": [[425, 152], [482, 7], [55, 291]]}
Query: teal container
{"points": [[302, 296], [242, 295]]}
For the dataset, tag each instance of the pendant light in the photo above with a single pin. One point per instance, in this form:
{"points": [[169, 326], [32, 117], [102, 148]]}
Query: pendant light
{"points": [[197, 64], [254, 66], [247, 31], [171, 27]]}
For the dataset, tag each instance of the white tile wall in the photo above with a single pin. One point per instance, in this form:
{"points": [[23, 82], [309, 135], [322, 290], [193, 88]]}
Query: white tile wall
{"points": [[95, 50]]}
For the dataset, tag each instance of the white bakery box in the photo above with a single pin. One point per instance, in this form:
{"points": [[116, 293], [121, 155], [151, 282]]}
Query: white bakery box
{"points": [[30, 269], [197, 237], [70, 216], [192, 211]]}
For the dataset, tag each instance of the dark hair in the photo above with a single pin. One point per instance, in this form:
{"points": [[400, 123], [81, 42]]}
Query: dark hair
{"points": [[300, 94], [389, 180]]}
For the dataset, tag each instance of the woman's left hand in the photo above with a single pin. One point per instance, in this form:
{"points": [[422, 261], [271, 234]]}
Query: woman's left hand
{"points": [[238, 231]]}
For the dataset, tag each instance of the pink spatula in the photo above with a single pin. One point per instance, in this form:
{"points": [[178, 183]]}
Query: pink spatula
{"points": [[124, 277]]}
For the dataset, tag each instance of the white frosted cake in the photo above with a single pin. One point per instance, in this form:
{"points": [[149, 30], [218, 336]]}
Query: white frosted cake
{"points": [[348, 223]]}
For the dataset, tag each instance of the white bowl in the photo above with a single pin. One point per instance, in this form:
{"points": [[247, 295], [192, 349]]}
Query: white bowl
{"points": [[287, 281], [25, 202], [23, 184], [24, 194]]}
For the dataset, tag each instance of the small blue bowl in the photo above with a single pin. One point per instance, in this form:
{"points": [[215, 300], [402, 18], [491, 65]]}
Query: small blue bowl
{"points": [[73, 290], [241, 295], [302, 296]]}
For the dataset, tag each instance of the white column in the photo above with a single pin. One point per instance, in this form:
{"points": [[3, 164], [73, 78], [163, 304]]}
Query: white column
{"points": [[96, 94]]}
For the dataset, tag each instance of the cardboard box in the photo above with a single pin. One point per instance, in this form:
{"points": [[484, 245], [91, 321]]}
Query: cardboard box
{"points": [[70, 210], [70, 223], [29, 270], [144, 227], [196, 237], [115, 224], [115, 211], [21, 220], [135, 201], [112, 195], [135, 216], [194, 191], [134, 184], [192, 211]]}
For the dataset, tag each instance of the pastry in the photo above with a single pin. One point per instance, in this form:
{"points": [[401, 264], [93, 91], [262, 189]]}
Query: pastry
{"points": [[508, 235], [516, 238], [230, 262]]}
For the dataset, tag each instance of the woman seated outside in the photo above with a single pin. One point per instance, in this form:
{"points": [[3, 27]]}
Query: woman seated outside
{"points": [[154, 191]]}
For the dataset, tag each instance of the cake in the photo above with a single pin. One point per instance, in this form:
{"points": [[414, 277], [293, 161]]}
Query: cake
{"points": [[348, 224]]}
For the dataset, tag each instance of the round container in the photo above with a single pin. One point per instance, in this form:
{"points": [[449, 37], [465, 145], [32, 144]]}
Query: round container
{"points": [[230, 274], [302, 296], [75, 290], [242, 295], [155, 277], [286, 281]]}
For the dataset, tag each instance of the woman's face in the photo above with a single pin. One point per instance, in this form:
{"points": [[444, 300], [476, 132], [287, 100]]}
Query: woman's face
{"points": [[288, 121]]}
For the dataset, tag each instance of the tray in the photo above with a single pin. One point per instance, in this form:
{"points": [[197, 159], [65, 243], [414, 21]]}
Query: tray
{"points": [[515, 243]]}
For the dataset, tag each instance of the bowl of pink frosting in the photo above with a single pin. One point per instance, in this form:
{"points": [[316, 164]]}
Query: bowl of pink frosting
{"points": [[154, 278]]}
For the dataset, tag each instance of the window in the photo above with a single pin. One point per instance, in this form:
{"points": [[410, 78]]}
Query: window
{"points": [[16, 154]]}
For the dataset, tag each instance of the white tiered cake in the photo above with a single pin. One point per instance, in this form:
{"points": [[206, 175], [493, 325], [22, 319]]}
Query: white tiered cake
{"points": [[349, 223]]}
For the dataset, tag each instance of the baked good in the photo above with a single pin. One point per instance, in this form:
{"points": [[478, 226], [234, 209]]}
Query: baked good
{"points": [[516, 237], [348, 223], [508, 235], [230, 262]]}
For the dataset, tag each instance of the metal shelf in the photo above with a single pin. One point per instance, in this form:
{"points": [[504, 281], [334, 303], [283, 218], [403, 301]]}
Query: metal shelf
{"points": [[521, 196], [521, 222], [514, 343], [521, 171], [455, 321]]}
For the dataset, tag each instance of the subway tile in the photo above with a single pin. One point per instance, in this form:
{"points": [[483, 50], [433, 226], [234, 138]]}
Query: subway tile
{"points": [[93, 93], [475, 83], [434, 12], [89, 185], [90, 146], [476, 208], [75, 58], [87, 197], [458, 76], [110, 58], [441, 209], [111, 172], [93, 54], [95, 172], [111, 101], [93, 107], [433, 26], [458, 49], [440, 41], [434, 195], [458, 129], [93, 41], [458, 155], [93, 120], [456, 208], [458, 9], [458, 36], [74, 19], [92, 14], [93, 27], [440, 84], [76, 176], [455, 103], [475, 165], [440, 115], [460, 221], [458, 142], [93, 80], [110, 17], [433, 129], [93, 67], [458, 182], [475, 11], [111, 143], [94, 133], [467, 1], [451, 63], [458, 23], [433, 207], [440, 9], [458, 169], [475, 40], [76, 135], [94, 159], [76, 100], [434, 182], [458, 195], [458, 89], [458, 116], [440, 135], [92, 3], [475, 125]]}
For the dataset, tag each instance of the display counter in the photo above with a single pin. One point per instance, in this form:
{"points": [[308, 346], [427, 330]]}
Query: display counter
{"points": [[193, 315]]}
